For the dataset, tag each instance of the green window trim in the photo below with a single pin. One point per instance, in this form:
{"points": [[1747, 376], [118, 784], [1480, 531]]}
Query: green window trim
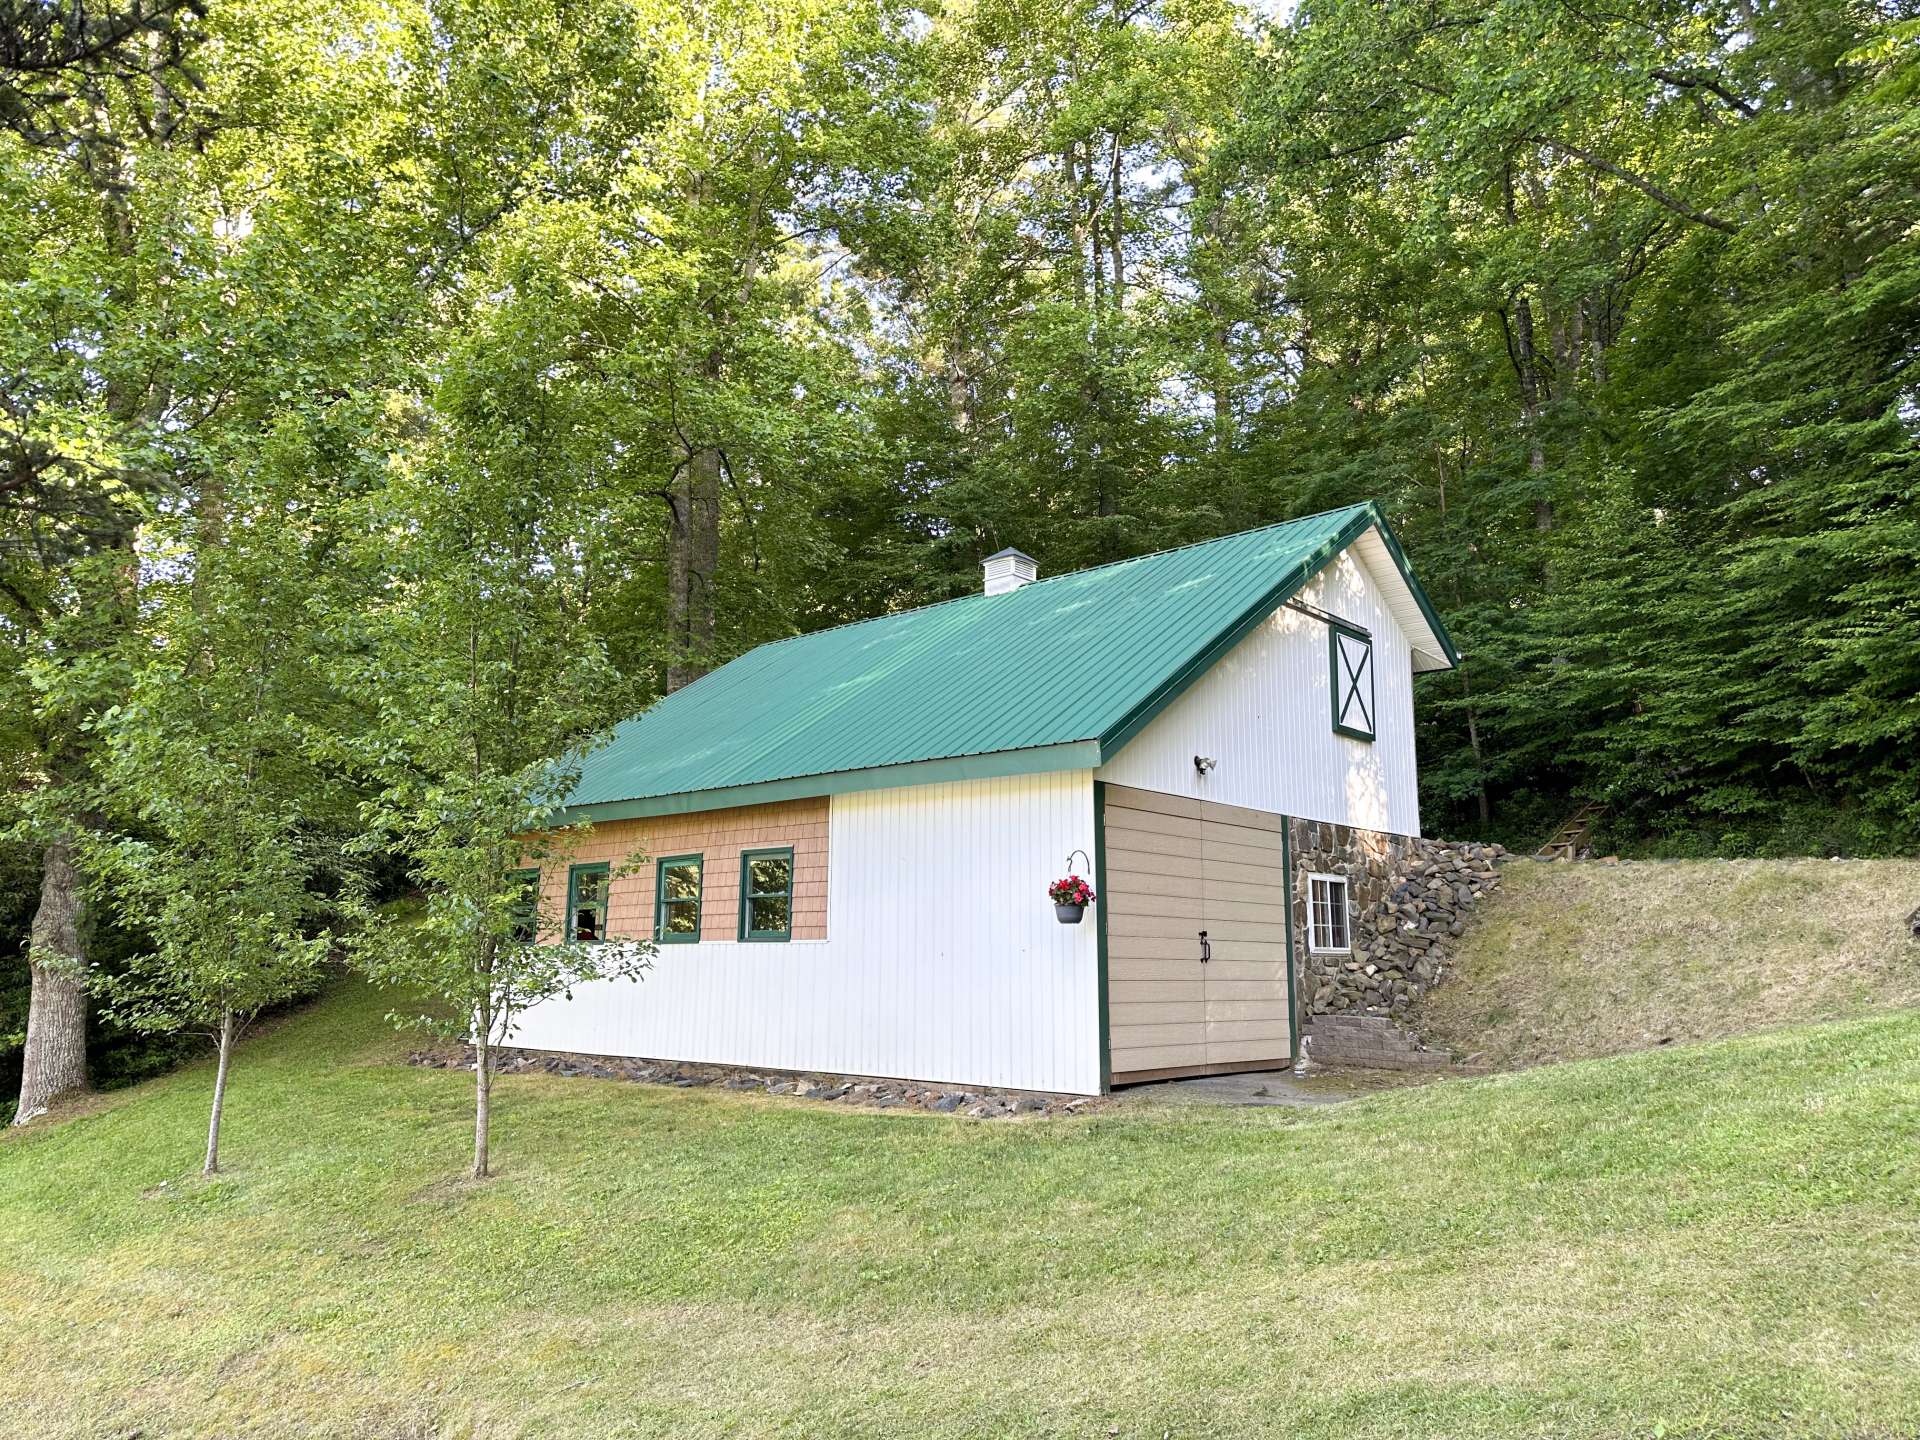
{"points": [[575, 875], [750, 891], [665, 904], [526, 914], [1353, 714]]}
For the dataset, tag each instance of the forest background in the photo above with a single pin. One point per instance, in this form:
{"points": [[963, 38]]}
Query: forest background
{"points": [[395, 394]]}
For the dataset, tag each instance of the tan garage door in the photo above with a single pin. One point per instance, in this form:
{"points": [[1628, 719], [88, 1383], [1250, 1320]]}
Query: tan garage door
{"points": [[1174, 867]]}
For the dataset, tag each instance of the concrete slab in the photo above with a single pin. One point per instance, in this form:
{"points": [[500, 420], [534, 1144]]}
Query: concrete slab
{"points": [[1267, 1087]]}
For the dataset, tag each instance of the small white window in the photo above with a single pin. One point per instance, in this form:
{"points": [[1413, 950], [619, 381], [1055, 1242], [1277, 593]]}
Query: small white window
{"points": [[1327, 915]]}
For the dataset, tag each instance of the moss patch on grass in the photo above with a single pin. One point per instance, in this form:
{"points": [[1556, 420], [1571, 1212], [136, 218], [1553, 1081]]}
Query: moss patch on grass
{"points": [[1720, 1240], [1573, 961]]}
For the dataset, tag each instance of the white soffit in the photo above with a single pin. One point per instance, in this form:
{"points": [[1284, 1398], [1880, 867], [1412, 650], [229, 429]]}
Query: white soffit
{"points": [[1428, 653]]}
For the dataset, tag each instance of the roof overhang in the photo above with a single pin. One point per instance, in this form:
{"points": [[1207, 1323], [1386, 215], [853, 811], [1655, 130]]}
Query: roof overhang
{"points": [[1038, 759], [1431, 645]]}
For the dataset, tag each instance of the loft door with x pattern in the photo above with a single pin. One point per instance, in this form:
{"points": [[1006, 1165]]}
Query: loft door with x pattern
{"points": [[1350, 660]]}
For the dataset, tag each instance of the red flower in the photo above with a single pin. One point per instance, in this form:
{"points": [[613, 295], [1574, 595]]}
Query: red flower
{"points": [[1071, 891]]}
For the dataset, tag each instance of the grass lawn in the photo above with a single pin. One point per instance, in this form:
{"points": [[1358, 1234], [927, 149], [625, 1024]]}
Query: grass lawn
{"points": [[1574, 961], [1721, 1239]]}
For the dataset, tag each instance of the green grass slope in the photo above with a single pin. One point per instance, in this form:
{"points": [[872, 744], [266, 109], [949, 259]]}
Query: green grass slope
{"points": [[1574, 961], [1718, 1240]]}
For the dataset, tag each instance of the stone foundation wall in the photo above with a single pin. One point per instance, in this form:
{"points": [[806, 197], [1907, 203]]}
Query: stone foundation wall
{"points": [[1408, 899]]}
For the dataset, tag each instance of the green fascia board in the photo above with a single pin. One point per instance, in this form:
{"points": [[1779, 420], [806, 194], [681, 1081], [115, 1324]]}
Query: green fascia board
{"points": [[1244, 624], [1365, 517], [1078, 755], [1420, 595]]}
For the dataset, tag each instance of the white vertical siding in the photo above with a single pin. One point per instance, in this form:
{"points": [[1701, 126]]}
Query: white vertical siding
{"points": [[942, 962], [1264, 713]]}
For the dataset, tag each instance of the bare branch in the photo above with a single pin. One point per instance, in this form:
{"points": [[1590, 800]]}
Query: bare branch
{"points": [[1639, 182], [1682, 81]]}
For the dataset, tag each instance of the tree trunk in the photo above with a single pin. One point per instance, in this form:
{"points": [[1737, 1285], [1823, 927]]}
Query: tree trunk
{"points": [[1116, 232], [482, 1102], [1091, 201], [212, 1167], [1599, 309], [1473, 743], [693, 557], [1220, 384], [1069, 164], [959, 385], [55, 1062], [1528, 362]]}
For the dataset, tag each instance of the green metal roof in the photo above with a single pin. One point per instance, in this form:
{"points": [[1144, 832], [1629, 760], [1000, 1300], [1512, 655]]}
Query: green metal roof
{"points": [[1058, 674]]}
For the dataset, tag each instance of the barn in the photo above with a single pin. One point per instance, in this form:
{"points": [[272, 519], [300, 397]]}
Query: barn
{"points": [[849, 835]]}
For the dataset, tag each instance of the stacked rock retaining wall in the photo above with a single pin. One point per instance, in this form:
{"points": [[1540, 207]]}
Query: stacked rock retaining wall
{"points": [[1408, 903]]}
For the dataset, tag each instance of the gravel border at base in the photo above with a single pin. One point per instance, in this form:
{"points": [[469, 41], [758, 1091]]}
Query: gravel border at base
{"points": [[856, 1090]]}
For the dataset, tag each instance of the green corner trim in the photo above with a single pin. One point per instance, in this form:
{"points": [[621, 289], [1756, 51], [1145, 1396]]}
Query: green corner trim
{"points": [[1293, 961], [1100, 929], [660, 932]]}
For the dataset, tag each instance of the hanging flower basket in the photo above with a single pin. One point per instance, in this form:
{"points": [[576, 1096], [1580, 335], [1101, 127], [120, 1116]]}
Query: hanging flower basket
{"points": [[1070, 897]]}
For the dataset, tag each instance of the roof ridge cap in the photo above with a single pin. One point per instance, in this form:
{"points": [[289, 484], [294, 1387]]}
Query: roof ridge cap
{"points": [[1064, 575]]}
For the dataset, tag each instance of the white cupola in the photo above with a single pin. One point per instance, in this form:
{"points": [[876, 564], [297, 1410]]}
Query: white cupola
{"points": [[1008, 570]]}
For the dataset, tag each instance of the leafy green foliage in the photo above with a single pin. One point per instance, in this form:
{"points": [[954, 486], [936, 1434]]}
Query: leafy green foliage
{"points": [[230, 833], [478, 682], [1620, 309], [572, 347]]}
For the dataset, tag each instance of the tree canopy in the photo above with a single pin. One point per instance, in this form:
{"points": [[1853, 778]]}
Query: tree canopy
{"points": [[609, 338]]}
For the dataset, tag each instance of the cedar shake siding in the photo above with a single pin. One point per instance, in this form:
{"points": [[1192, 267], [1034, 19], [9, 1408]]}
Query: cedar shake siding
{"points": [[719, 837]]}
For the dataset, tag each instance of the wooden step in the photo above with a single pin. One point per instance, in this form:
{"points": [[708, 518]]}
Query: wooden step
{"points": [[1573, 834]]}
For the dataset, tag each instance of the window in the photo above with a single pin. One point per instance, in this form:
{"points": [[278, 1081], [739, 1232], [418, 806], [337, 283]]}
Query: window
{"points": [[526, 903], [1350, 655], [766, 895], [676, 901], [1327, 914], [587, 902]]}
